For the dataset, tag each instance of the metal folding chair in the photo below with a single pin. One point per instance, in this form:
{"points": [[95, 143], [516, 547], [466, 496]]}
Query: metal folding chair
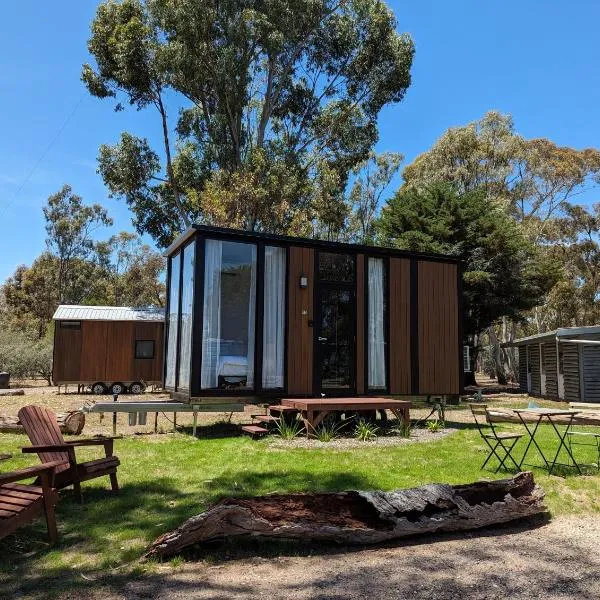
{"points": [[501, 444]]}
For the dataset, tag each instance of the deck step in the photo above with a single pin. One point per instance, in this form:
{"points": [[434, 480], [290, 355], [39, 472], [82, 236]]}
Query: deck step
{"points": [[265, 418], [282, 408], [254, 430]]}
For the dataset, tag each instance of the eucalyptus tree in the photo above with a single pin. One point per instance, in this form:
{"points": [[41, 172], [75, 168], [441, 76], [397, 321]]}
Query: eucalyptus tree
{"points": [[266, 92]]}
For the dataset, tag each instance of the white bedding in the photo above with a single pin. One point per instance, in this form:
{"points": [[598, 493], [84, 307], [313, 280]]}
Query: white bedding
{"points": [[232, 366]]}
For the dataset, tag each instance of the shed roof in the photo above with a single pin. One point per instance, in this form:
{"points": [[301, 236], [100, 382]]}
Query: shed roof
{"points": [[561, 333], [70, 312]]}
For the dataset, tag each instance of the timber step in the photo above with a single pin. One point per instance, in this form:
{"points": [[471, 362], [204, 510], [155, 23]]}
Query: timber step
{"points": [[281, 408], [265, 418], [254, 430]]}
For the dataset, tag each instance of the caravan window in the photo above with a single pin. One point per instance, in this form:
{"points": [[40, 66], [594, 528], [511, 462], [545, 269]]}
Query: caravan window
{"points": [[229, 315]]}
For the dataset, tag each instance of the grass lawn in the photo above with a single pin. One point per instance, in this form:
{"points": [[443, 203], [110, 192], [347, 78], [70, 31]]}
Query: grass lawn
{"points": [[167, 478]]}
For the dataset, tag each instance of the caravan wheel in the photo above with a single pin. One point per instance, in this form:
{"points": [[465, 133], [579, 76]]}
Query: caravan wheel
{"points": [[117, 389], [98, 389], [136, 388]]}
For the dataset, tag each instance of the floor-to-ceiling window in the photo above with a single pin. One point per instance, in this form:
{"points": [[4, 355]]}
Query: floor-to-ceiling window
{"points": [[173, 321], [187, 303], [376, 318], [229, 315], [274, 318]]}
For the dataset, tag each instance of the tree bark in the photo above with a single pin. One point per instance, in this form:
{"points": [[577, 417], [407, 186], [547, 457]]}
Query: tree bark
{"points": [[70, 422], [360, 517]]}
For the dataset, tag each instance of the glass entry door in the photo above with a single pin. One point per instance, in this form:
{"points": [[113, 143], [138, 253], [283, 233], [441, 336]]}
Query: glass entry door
{"points": [[335, 340]]}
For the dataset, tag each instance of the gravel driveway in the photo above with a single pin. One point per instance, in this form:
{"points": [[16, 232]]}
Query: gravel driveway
{"points": [[556, 560]]}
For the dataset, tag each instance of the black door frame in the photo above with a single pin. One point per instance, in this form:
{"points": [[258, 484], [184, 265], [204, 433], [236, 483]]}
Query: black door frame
{"points": [[319, 286]]}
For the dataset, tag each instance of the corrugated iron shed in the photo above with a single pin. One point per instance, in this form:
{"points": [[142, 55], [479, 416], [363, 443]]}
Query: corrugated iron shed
{"points": [[68, 312]]}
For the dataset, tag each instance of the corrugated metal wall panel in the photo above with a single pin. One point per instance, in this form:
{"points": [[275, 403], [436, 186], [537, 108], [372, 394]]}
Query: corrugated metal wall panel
{"points": [[523, 367], [571, 372], [549, 355], [591, 373], [533, 352]]}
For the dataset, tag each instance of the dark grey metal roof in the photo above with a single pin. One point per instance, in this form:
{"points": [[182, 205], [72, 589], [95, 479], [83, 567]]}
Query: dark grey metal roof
{"points": [[563, 333], [70, 312]]}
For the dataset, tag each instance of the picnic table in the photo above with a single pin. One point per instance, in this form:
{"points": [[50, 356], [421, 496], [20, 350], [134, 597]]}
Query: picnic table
{"points": [[551, 415]]}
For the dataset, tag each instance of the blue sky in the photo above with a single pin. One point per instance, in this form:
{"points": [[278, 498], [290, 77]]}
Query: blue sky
{"points": [[538, 60]]}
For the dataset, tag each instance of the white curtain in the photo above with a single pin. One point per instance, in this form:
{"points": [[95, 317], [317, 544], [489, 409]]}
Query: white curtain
{"points": [[251, 320], [376, 347], [211, 322], [173, 324], [187, 303], [274, 323]]}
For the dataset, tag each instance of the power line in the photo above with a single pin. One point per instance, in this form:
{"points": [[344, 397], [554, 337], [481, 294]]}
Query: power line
{"points": [[43, 155]]}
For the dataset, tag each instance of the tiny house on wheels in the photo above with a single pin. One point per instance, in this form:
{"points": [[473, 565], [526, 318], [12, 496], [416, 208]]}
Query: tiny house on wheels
{"points": [[253, 315], [562, 364], [108, 348]]}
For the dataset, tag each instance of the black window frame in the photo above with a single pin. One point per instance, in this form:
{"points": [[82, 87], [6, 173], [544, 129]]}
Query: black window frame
{"points": [[71, 324], [135, 349]]}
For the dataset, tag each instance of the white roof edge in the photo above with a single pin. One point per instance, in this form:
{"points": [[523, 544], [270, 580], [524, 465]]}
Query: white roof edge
{"points": [[561, 332], [74, 312]]}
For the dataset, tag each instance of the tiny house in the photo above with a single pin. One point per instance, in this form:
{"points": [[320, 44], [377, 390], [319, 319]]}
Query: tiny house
{"points": [[253, 315], [563, 364], [108, 348]]}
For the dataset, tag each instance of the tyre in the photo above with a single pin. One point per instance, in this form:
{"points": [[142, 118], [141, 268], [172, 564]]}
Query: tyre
{"points": [[136, 388], [117, 388], [98, 388]]}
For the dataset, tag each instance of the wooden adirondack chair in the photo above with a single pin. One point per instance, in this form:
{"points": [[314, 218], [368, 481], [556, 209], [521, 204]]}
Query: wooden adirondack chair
{"points": [[21, 503], [48, 443]]}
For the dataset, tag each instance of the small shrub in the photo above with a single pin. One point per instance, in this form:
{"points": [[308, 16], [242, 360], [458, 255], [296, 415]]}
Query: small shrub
{"points": [[365, 431], [401, 428], [434, 426], [328, 430], [289, 430]]}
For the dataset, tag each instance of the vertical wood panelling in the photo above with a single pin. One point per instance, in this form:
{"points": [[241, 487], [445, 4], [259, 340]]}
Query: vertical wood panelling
{"points": [[360, 324], [146, 369], [571, 372], [120, 350], [549, 357], [93, 351], [300, 312], [67, 354], [438, 328], [399, 311]]}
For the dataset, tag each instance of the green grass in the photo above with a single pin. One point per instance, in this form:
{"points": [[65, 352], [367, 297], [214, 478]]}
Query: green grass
{"points": [[168, 478]]}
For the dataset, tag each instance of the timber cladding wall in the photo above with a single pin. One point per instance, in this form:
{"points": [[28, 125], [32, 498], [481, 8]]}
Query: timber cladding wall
{"points": [[399, 346], [360, 324], [533, 358], [300, 312], [438, 328], [523, 367], [105, 351]]}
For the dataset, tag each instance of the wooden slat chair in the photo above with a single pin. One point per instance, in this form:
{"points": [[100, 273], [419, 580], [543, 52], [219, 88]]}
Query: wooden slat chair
{"points": [[500, 444], [21, 503], [48, 443]]}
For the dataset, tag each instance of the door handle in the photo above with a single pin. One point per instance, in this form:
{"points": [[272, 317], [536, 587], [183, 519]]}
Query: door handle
{"points": [[322, 339]]}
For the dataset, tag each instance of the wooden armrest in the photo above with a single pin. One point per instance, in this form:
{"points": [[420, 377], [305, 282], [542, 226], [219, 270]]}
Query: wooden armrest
{"points": [[49, 448], [93, 441], [29, 472]]}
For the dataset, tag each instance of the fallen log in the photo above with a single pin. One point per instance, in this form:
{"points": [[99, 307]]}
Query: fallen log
{"points": [[71, 422], [360, 517]]}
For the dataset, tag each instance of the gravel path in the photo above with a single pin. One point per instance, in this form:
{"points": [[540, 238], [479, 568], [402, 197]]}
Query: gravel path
{"points": [[554, 561]]}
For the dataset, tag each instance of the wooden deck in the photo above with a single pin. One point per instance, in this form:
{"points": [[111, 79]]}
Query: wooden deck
{"points": [[314, 410]]}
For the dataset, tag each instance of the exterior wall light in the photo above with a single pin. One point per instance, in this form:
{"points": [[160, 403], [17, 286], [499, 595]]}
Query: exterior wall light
{"points": [[303, 282]]}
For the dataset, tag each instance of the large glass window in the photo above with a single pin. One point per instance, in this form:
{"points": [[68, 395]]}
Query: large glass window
{"points": [[187, 304], [274, 318], [229, 315], [336, 267], [376, 324], [172, 322]]}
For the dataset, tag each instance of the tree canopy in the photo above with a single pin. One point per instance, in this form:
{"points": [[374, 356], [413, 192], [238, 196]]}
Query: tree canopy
{"points": [[269, 95], [504, 274]]}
